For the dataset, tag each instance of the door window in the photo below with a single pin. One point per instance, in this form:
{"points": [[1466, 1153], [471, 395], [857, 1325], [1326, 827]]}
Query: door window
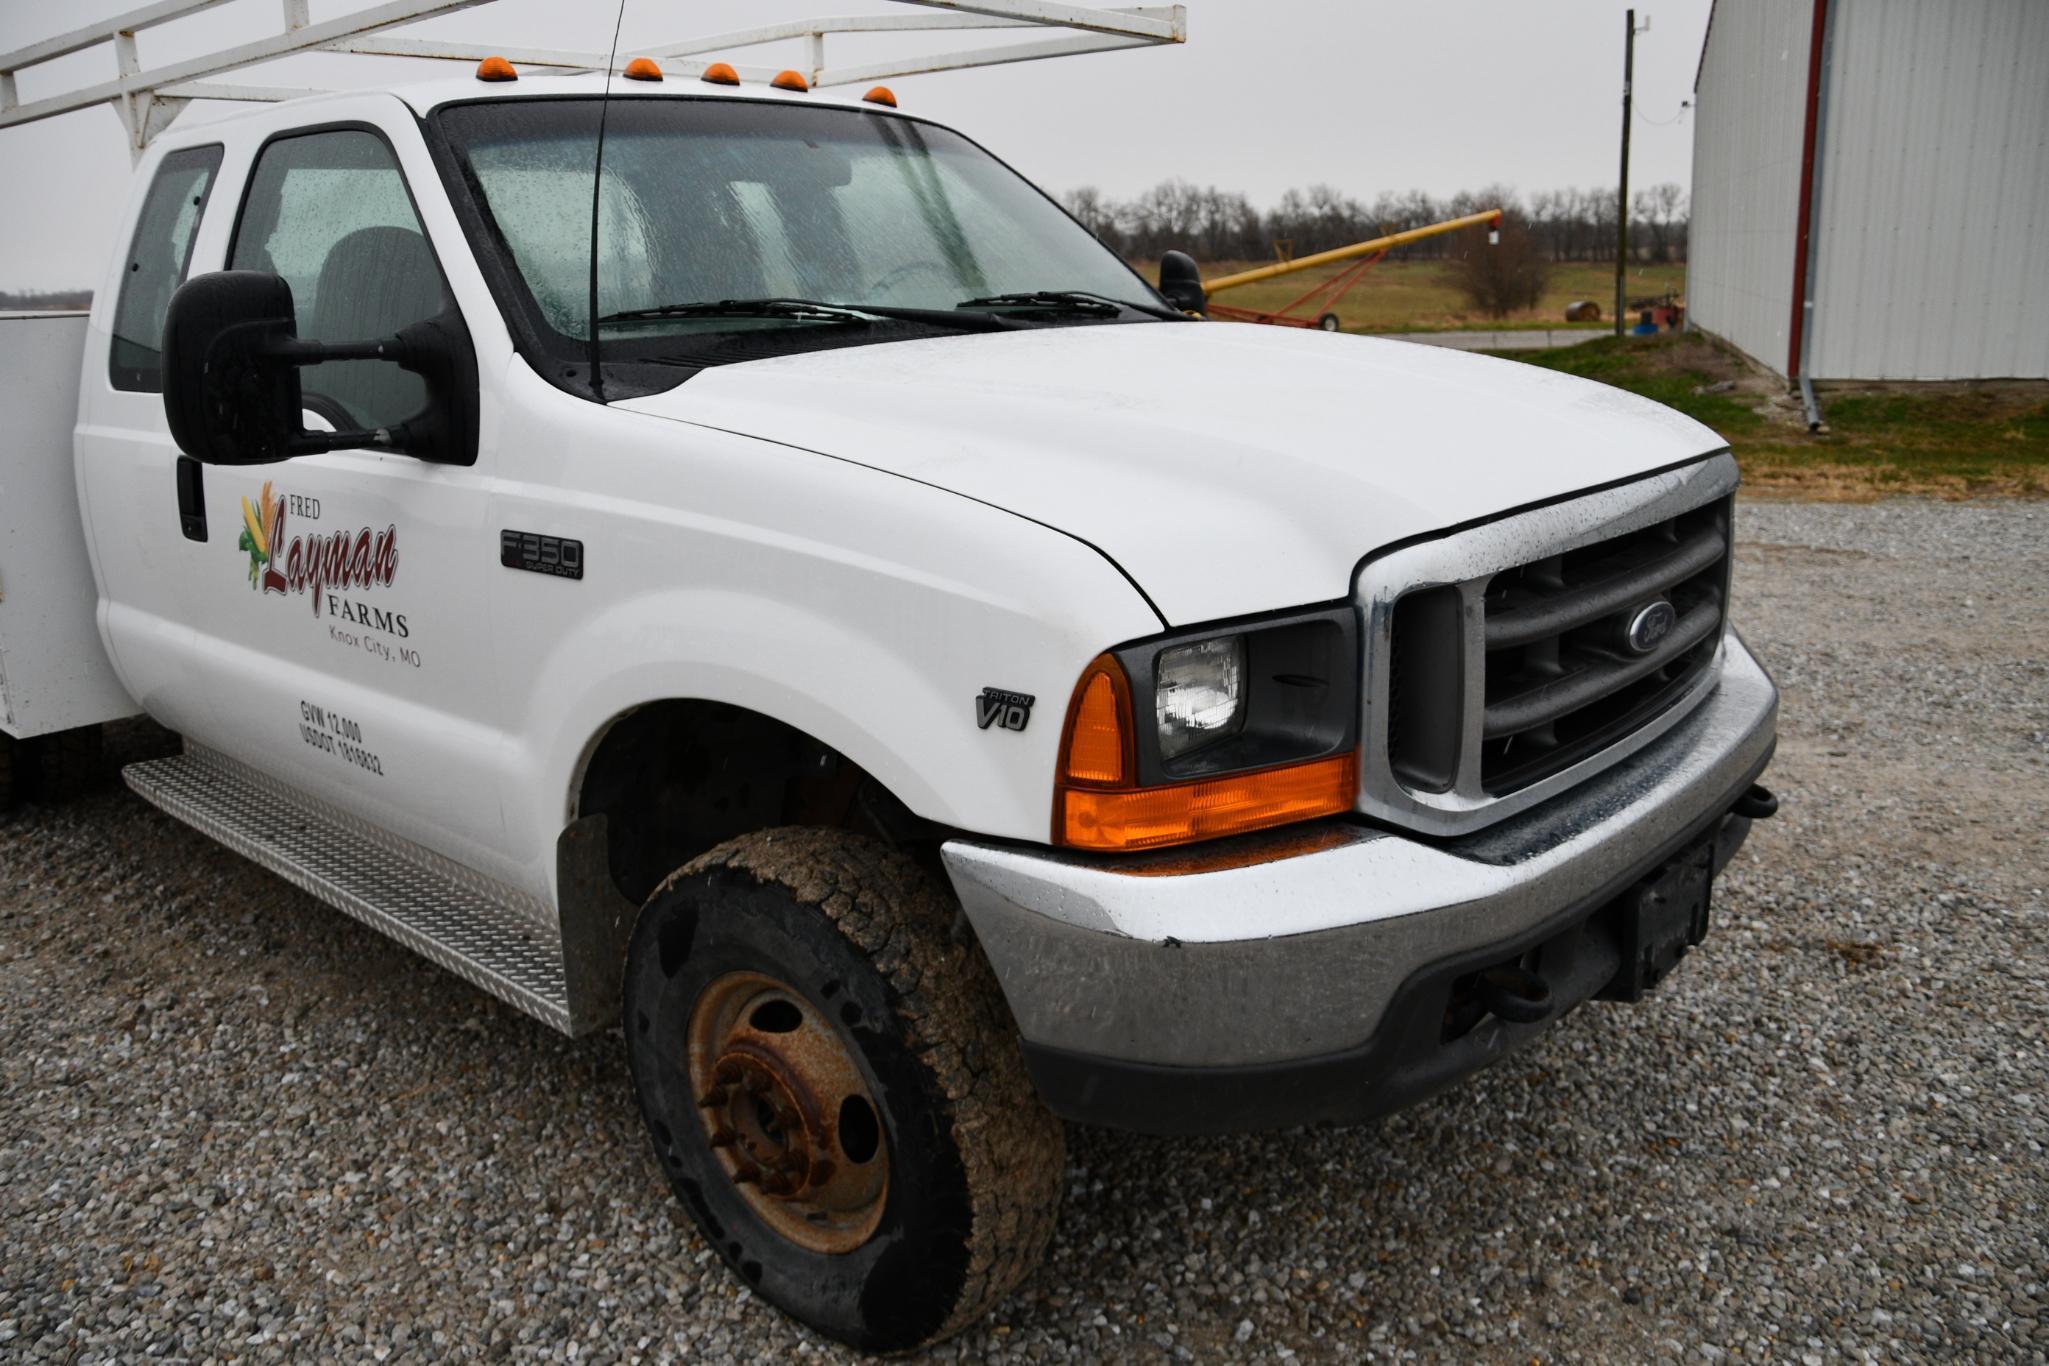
{"points": [[156, 264], [330, 213]]}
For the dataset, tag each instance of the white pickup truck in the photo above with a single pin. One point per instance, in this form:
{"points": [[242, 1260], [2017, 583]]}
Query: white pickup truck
{"points": [[867, 644]]}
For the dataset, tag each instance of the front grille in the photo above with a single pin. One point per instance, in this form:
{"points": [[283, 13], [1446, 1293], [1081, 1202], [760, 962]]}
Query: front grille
{"points": [[1500, 664], [1562, 680]]}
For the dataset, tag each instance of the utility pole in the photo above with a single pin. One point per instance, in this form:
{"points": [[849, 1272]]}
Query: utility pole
{"points": [[1622, 195]]}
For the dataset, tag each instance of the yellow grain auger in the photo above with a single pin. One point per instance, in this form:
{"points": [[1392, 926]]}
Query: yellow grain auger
{"points": [[1318, 305]]}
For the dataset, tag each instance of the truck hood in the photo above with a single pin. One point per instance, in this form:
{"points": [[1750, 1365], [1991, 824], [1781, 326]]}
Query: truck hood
{"points": [[1227, 468]]}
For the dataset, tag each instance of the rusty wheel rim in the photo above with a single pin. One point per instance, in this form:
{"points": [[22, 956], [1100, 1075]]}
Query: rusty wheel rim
{"points": [[787, 1112]]}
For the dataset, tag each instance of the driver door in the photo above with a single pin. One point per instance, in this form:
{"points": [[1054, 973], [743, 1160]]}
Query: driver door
{"points": [[344, 614]]}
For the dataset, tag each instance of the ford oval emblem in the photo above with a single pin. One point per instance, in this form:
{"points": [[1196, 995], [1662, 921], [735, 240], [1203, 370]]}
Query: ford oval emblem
{"points": [[1651, 624]]}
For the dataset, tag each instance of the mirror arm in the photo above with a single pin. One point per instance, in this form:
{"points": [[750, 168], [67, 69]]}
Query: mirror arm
{"points": [[396, 350], [318, 443], [299, 351]]}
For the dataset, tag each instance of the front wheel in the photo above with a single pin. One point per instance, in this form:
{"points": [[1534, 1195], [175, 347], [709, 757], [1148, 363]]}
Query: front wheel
{"points": [[834, 1087], [1328, 322]]}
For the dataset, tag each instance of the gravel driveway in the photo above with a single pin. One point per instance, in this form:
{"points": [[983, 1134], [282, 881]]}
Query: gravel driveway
{"points": [[237, 1124]]}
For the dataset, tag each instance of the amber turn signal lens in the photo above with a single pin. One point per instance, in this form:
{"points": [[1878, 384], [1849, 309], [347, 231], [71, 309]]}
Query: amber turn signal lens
{"points": [[496, 69], [1097, 745], [790, 80], [1130, 819], [1097, 803], [642, 69], [881, 94], [720, 73]]}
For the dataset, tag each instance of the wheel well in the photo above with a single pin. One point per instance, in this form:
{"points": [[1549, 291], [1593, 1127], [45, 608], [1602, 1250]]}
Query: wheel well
{"points": [[674, 778]]}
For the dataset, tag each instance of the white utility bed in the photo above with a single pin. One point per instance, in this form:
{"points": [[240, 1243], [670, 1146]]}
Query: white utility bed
{"points": [[54, 673]]}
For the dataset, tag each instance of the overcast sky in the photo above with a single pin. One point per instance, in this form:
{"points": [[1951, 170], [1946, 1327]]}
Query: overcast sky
{"points": [[1365, 95]]}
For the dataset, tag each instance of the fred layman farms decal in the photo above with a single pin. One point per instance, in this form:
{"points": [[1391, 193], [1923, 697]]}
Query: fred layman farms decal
{"points": [[329, 568]]}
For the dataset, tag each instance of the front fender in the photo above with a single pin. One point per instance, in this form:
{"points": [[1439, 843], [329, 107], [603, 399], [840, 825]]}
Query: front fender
{"points": [[872, 698], [865, 609]]}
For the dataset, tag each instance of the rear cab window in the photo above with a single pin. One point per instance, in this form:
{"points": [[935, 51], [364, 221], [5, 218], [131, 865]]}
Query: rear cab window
{"points": [[156, 263]]}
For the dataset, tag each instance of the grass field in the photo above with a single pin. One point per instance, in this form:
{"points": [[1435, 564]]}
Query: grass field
{"points": [[1946, 441], [1419, 296]]}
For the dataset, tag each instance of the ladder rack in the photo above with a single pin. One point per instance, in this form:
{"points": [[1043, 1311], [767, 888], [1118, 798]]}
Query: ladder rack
{"points": [[147, 100]]}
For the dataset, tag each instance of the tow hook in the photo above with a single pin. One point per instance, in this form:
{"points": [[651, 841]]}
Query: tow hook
{"points": [[1516, 995], [1760, 803]]}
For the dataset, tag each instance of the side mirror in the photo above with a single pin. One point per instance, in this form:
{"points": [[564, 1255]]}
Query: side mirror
{"points": [[231, 377], [1181, 282], [229, 396]]}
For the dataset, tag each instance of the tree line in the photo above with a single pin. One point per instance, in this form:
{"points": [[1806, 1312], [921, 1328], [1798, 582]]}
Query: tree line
{"points": [[1224, 225], [44, 300]]}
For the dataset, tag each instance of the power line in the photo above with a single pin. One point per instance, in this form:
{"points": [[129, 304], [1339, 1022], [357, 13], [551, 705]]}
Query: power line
{"points": [[1684, 106]]}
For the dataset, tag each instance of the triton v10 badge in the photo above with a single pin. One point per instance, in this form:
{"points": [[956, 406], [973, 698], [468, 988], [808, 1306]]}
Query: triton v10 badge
{"points": [[1010, 710]]}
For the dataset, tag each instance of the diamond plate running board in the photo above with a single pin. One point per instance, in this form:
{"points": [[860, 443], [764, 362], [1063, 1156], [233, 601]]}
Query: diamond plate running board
{"points": [[486, 933]]}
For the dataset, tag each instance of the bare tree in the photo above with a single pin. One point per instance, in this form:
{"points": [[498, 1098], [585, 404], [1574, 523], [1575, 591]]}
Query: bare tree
{"points": [[1661, 210], [1503, 278], [1090, 209]]}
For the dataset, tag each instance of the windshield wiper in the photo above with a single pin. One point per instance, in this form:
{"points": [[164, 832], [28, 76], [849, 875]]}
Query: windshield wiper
{"points": [[1073, 301], [812, 310], [738, 308]]}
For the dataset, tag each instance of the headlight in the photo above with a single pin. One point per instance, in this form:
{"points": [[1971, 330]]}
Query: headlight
{"points": [[1252, 725], [1199, 694]]}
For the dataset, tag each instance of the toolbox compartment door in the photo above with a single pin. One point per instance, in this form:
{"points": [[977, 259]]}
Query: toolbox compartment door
{"points": [[54, 670]]}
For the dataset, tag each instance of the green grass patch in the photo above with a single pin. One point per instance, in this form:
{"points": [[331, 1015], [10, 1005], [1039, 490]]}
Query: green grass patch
{"points": [[1947, 440], [1675, 380]]}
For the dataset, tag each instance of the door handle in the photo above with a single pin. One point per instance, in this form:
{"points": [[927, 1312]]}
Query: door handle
{"points": [[191, 498]]}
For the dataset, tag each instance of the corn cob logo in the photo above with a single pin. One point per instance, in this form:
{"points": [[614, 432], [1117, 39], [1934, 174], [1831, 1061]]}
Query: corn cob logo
{"points": [[259, 530]]}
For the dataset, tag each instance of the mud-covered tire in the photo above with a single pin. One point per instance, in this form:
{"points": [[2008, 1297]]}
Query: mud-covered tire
{"points": [[867, 937], [69, 764]]}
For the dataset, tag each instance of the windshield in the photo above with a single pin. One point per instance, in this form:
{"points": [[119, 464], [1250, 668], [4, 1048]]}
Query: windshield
{"points": [[706, 201]]}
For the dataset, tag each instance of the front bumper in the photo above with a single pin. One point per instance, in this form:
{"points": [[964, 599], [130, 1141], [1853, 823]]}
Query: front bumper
{"points": [[1303, 974]]}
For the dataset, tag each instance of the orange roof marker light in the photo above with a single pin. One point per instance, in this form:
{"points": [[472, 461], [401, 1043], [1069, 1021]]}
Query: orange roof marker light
{"points": [[881, 94], [790, 80], [642, 69], [496, 69], [720, 73]]}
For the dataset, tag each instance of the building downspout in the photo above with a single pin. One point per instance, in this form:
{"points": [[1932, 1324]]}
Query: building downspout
{"points": [[1800, 338], [1811, 406]]}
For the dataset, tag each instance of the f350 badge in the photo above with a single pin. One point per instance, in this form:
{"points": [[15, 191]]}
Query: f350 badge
{"points": [[1010, 710]]}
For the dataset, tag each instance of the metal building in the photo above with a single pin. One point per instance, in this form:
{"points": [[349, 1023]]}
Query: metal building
{"points": [[1871, 187]]}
